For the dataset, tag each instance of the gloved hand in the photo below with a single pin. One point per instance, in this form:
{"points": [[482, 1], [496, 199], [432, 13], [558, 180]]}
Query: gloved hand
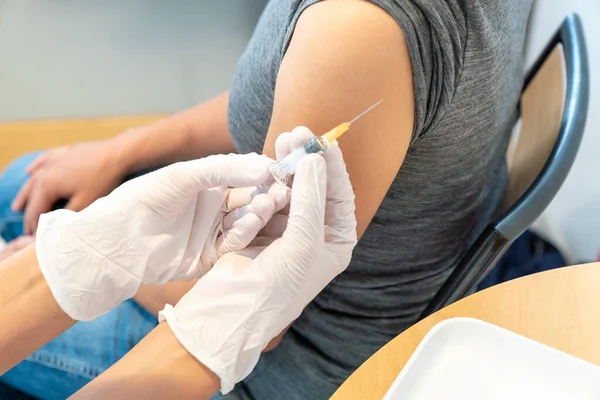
{"points": [[163, 226], [249, 297]]}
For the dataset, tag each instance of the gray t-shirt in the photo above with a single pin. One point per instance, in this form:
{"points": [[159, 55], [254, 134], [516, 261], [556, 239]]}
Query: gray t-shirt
{"points": [[467, 62]]}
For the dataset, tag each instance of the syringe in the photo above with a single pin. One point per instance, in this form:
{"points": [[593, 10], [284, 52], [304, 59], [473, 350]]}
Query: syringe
{"points": [[283, 169]]}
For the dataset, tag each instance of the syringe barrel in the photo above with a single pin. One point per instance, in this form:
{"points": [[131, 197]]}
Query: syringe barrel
{"points": [[283, 169], [316, 145]]}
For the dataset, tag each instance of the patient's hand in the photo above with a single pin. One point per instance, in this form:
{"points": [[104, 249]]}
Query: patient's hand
{"points": [[15, 246], [80, 173]]}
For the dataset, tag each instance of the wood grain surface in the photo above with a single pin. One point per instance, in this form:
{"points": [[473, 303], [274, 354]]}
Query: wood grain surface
{"points": [[560, 308], [17, 138]]}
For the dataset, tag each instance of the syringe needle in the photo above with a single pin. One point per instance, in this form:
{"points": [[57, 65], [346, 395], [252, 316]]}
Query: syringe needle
{"points": [[339, 130], [366, 111]]}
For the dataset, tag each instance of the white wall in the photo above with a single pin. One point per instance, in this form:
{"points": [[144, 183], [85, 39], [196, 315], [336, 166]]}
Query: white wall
{"points": [[573, 219], [81, 58]]}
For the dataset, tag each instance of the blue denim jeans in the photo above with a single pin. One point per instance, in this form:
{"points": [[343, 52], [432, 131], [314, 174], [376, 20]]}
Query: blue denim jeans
{"points": [[11, 180], [70, 361], [73, 359]]}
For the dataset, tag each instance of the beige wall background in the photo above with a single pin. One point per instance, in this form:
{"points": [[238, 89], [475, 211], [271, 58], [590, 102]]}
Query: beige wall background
{"points": [[86, 60], [80, 58]]}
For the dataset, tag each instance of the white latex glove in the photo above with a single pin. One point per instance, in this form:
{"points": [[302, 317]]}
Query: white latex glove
{"points": [[163, 226], [249, 297]]}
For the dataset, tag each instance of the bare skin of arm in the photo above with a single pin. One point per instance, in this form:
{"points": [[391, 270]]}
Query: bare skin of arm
{"points": [[195, 133], [157, 368], [154, 297], [151, 297], [30, 316], [329, 74], [94, 169], [87, 171], [344, 56]]}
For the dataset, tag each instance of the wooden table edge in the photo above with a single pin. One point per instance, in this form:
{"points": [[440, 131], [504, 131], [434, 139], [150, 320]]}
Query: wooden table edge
{"points": [[578, 283]]}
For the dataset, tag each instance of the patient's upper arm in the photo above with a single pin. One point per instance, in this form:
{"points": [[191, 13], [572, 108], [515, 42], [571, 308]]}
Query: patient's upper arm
{"points": [[343, 57]]}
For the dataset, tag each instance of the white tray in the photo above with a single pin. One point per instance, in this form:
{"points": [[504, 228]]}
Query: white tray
{"points": [[464, 359]]}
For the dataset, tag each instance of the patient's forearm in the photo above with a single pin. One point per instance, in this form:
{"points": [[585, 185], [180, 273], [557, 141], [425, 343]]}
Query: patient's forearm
{"points": [[29, 315], [195, 133], [154, 297], [157, 368]]}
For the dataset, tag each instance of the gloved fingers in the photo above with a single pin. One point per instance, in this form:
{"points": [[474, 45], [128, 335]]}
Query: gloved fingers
{"points": [[290, 141], [275, 227], [242, 232], [279, 193], [245, 229], [260, 242], [305, 228], [282, 146], [235, 215], [339, 214], [233, 170], [239, 197], [340, 207], [238, 206]]}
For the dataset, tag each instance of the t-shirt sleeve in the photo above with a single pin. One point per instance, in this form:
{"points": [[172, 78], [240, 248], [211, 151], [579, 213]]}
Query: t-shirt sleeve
{"points": [[436, 34]]}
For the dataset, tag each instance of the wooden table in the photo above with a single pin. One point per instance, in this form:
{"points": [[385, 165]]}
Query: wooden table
{"points": [[17, 138], [560, 308]]}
